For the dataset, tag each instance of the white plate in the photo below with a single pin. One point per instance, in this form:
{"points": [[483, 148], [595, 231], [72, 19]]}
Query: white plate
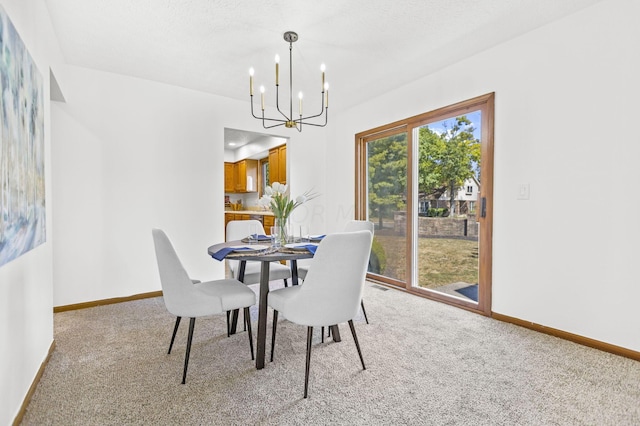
{"points": [[299, 245], [252, 247]]}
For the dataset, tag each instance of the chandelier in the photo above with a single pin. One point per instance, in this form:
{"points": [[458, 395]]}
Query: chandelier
{"points": [[289, 120]]}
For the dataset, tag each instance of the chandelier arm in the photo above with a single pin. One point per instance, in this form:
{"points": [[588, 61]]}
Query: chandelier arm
{"points": [[263, 118], [289, 120], [314, 124], [277, 120], [326, 120], [272, 126], [322, 110], [326, 110], [278, 104], [252, 113]]}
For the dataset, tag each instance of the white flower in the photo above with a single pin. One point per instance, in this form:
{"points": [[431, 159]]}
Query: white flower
{"points": [[278, 200], [265, 201], [279, 188]]}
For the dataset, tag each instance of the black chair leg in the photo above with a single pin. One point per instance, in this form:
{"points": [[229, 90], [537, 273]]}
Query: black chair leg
{"points": [[192, 323], [355, 339], [273, 332], [364, 312], [322, 335], [286, 284], [306, 372], [228, 324], [175, 330], [247, 322]]}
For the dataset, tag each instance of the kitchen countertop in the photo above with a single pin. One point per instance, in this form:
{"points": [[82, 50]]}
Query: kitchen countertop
{"points": [[254, 212]]}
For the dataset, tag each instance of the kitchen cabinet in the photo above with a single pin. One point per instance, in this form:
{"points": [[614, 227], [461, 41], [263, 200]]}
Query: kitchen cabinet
{"points": [[267, 220], [278, 164], [241, 176], [229, 177], [267, 223]]}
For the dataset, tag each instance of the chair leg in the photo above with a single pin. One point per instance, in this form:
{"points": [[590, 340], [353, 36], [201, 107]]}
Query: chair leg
{"points": [[355, 339], [228, 324], [363, 311], [247, 322], [306, 372], [273, 332], [286, 284], [175, 330], [192, 323], [322, 334]]}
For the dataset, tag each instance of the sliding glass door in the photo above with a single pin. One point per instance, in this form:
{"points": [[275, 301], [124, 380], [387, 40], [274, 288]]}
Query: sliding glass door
{"points": [[385, 159], [426, 183]]}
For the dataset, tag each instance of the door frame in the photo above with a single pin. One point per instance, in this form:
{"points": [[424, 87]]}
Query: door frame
{"points": [[485, 104]]}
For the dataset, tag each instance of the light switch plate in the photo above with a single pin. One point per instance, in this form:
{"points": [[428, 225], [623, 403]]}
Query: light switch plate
{"points": [[523, 191]]}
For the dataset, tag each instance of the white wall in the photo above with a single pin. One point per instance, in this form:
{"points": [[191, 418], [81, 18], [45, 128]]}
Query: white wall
{"points": [[130, 155], [566, 105], [26, 320]]}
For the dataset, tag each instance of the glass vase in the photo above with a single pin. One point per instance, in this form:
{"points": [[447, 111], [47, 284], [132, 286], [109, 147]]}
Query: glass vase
{"points": [[282, 224]]}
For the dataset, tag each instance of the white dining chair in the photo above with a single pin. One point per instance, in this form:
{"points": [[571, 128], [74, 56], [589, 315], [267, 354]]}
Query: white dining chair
{"points": [[332, 290], [239, 229], [351, 226], [186, 298]]}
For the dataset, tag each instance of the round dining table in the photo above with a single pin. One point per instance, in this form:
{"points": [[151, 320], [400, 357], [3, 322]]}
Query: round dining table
{"points": [[265, 257]]}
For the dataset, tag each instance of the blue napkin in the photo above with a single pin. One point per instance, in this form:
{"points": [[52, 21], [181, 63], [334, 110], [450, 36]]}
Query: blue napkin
{"points": [[222, 253], [311, 247], [260, 237], [316, 237]]}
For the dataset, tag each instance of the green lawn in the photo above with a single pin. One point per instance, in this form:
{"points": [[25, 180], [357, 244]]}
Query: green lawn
{"points": [[441, 261]]}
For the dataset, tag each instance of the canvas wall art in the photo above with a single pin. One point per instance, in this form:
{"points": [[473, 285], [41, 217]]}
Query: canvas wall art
{"points": [[22, 201]]}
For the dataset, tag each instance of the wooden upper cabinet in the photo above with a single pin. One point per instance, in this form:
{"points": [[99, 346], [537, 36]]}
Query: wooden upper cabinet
{"points": [[241, 176], [274, 174], [229, 177], [278, 164], [282, 163]]}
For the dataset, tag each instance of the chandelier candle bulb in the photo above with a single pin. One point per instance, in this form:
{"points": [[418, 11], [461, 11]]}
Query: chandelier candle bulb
{"points": [[326, 95], [251, 81], [300, 97], [277, 70], [322, 68], [262, 96]]}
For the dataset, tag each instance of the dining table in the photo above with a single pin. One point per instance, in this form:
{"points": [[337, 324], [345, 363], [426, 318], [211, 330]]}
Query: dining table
{"points": [[245, 254]]}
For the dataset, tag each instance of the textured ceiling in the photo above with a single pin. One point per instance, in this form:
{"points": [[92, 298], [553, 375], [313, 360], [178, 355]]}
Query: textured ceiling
{"points": [[368, 46]]}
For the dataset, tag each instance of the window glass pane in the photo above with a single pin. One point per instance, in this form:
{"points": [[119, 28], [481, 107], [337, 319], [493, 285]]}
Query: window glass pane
{"points": [[448, 187], [387, 204]]}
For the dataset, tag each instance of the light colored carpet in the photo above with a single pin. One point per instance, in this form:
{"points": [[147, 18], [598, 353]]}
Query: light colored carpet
{"points": [[427, 364]]}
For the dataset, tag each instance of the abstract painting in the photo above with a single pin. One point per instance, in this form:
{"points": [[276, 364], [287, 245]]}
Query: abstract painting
{"points": [[22, 201]]}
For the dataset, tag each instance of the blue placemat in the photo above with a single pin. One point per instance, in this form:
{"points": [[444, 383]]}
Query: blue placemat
{"points": [[222, 253], [311, 247]]}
